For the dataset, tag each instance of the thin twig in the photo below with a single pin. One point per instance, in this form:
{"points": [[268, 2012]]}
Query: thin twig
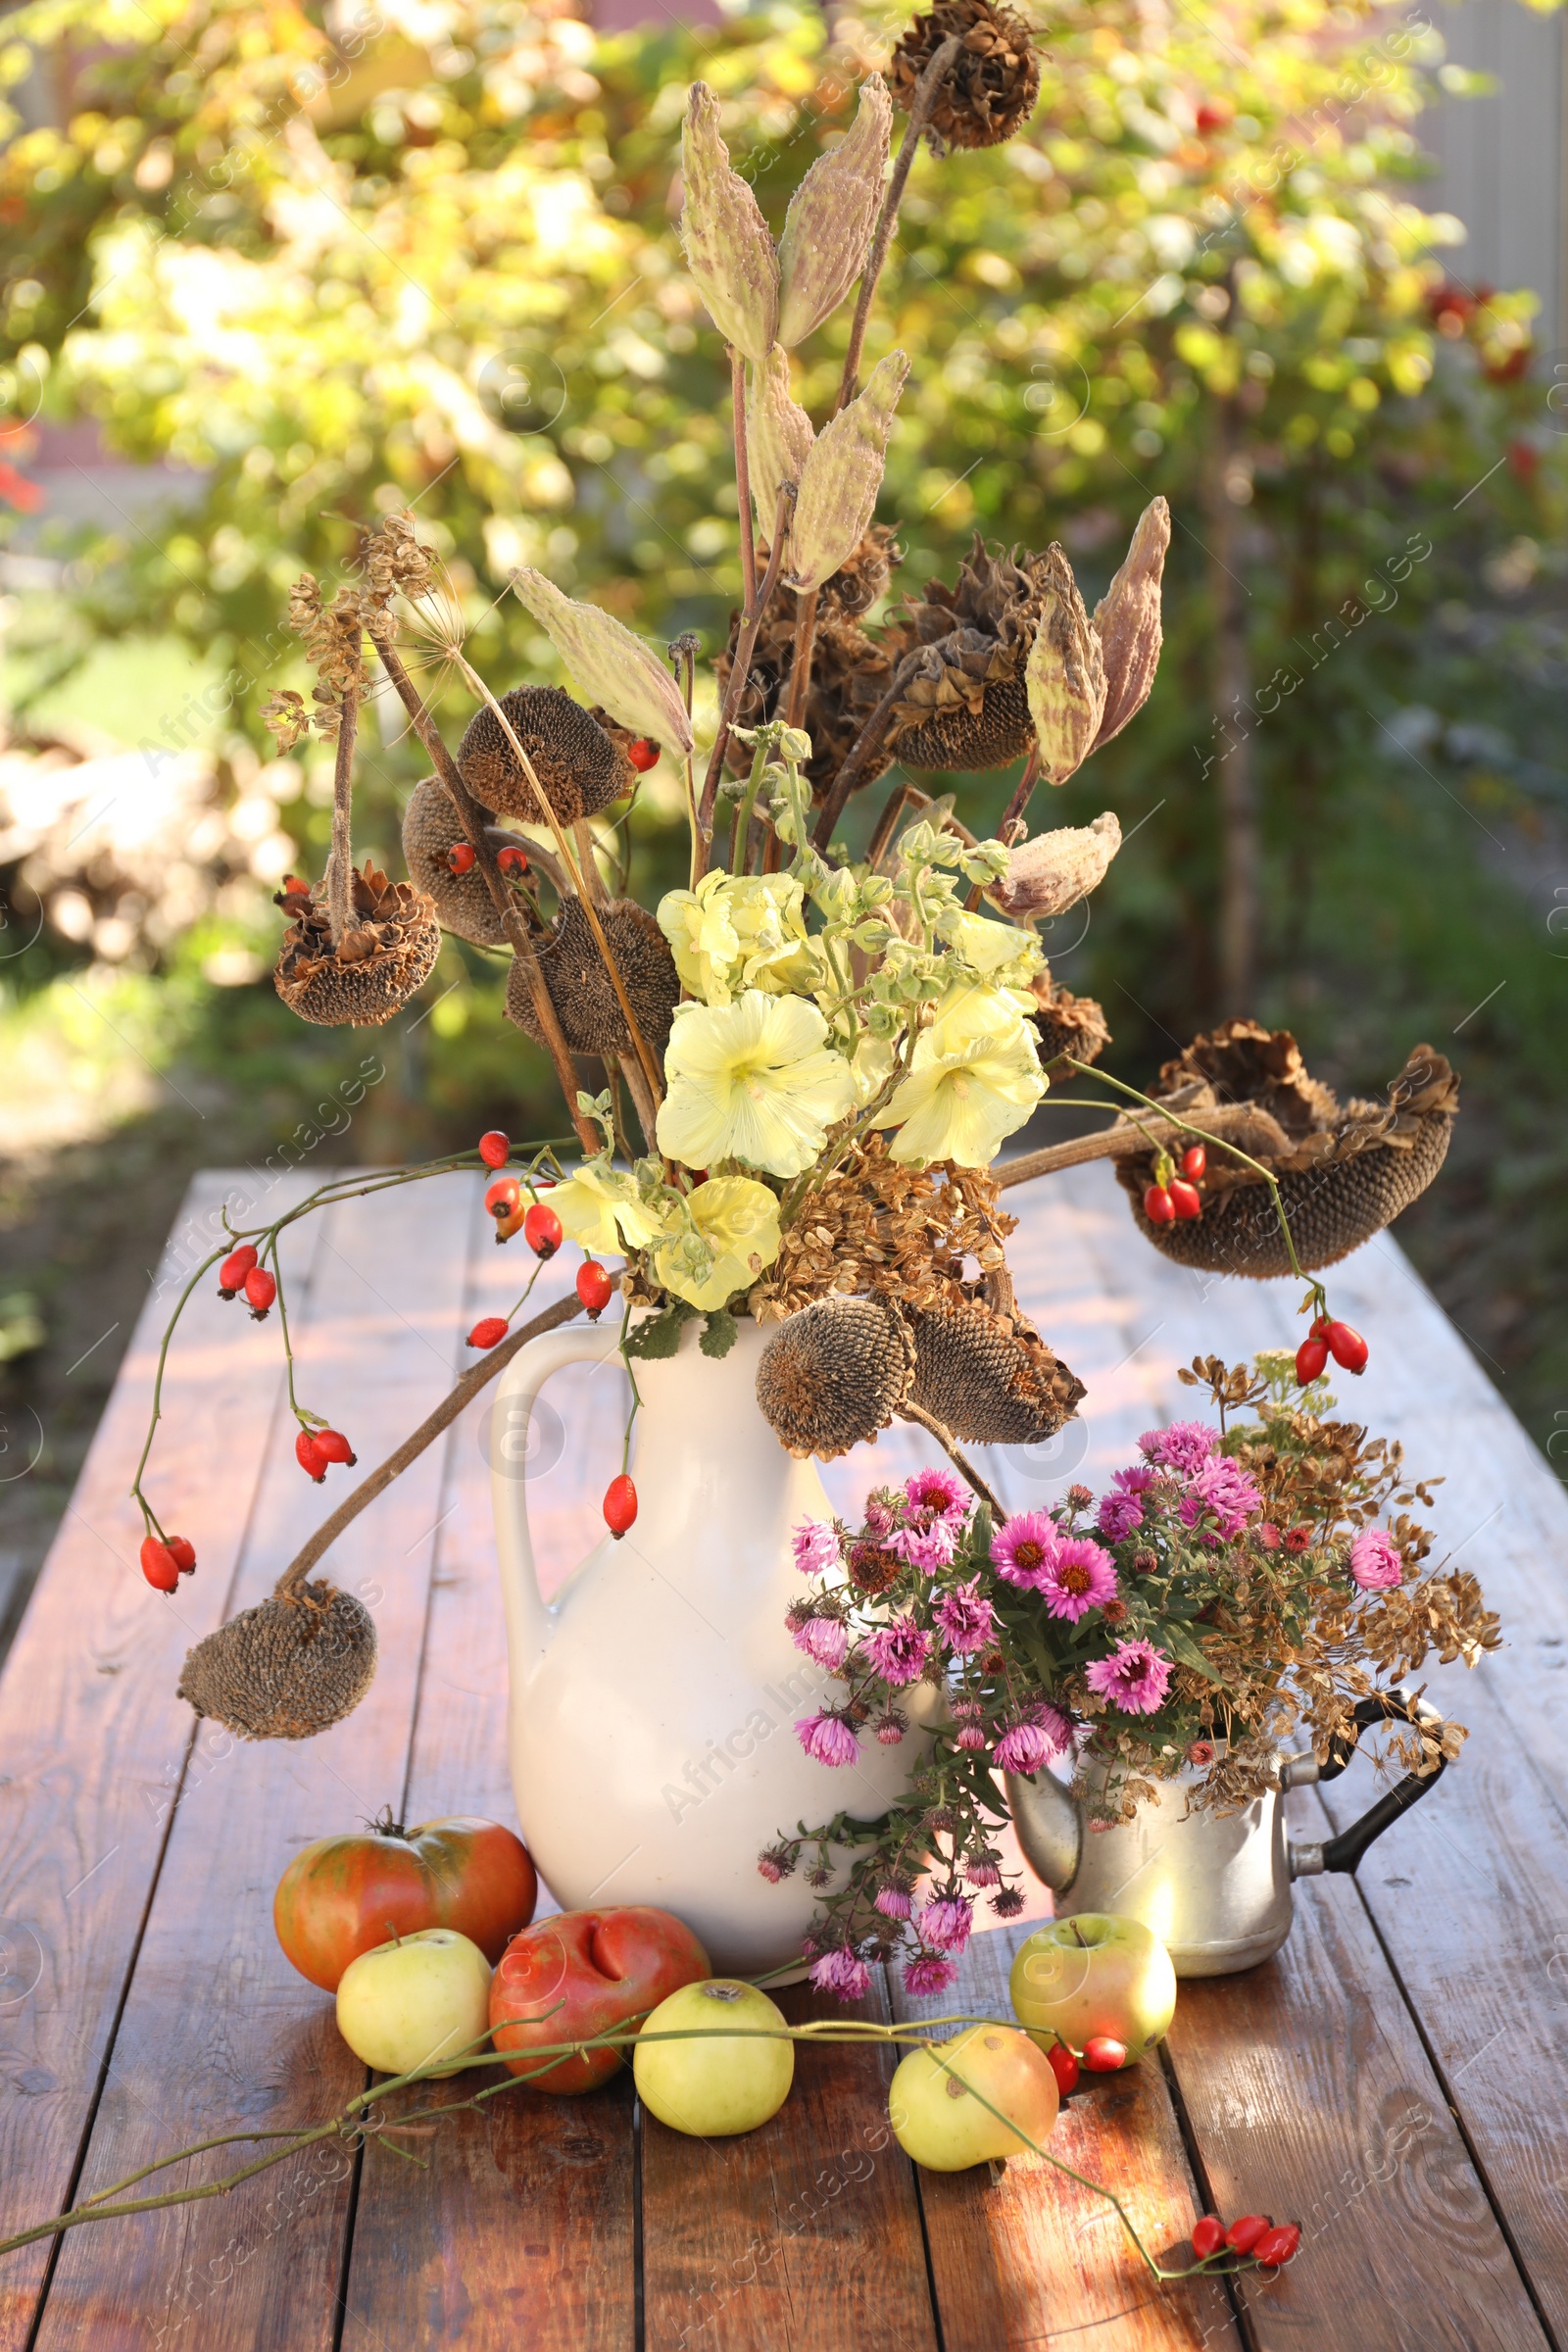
{"points": [[865, 746], [340, 871], [888, 218], [801, 658], [746, 645], [909, 1410], [742, 479]]}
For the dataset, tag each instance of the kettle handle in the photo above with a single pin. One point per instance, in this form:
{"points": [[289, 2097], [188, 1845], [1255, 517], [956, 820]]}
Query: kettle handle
{"points": [[1345, 1851], [531, 1620]]}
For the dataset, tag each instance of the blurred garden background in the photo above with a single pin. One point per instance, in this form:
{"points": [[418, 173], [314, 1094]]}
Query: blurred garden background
{"points": [[272, 272]]}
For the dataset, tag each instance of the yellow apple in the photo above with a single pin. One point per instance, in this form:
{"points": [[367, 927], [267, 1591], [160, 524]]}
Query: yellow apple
{"points": [[939, 2119], [716, 2081], [421, 1996], [1095, 1973]]}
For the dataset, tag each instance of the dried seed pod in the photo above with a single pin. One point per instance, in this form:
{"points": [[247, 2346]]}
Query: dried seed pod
{"points": [[989, 1379], [779, 435], [842, 476], [383, 961], [1065, 675], [965, 707], [291, 1667], [580, 989], [835, 1374], [580, 770], [462, 902], [1053, 871], [1345, 1171], [729, 249], [608, 661], [828, 227], [988, 92], [1067, 1024], [1127, 622]]}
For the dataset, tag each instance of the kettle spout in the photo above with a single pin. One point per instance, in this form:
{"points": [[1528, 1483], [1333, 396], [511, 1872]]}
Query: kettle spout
{"points": [[1050, 1827]]}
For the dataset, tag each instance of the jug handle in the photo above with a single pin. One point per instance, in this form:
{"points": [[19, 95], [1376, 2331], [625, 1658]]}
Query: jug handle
{"points": [[1345, 1851], [531, 1620]]}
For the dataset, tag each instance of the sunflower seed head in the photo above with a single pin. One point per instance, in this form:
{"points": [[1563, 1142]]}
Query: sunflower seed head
{"points": [[729, 249], [612, 667], [827, 230], [779, 435], [1065, 675], [842, 476], [1127, 622], [1053, 871]]}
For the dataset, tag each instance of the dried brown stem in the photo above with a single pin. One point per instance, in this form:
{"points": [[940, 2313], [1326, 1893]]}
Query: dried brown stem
{"points": [[887, 824], [340, 873], [1237, 1125], [910, 1411], [801, 661], [429, 1429], [745, 647], [742, 479], [888, 219], [1018, 807], [474, 822]]}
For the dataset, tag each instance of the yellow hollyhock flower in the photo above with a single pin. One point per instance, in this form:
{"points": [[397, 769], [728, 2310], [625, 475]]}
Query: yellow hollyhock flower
{"points": [[752, 1081], [600, 1207], [737, 932], [738, 1219], [974, 1077]]}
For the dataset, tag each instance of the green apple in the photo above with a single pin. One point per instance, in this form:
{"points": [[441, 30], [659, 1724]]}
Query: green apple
{"points": [[1095, 1973], [421, 1996], [939, 2119], [716, 2081]]}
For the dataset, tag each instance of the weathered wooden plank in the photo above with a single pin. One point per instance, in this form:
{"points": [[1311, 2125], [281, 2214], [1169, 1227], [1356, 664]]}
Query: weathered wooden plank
{"points": [[217, 2029], [1021, 2255], [521, 2233], [804, 2236], [94, 1742]]}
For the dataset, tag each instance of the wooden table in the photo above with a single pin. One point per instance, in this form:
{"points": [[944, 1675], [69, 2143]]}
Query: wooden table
{"points": [[1396, 2079]]}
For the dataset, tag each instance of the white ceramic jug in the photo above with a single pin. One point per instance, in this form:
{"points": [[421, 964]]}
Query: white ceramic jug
{"points": [[654, 1702]]}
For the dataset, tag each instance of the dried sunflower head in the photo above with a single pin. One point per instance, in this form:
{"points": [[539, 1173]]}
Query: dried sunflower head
{"points": [[989, 91], [989, 1378], [580, 989], [380, 961], [835, 1374], [461, 902], [850, 669], [1067, 1024], [580, 768], [965, 707], [287, 1669]]}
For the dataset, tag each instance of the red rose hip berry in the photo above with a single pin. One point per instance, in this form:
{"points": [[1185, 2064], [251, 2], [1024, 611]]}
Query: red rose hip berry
{"points": [[1348, 1348], [336, 1446], [260, 1291], [1159, 1207], [1277, 2245], [541, 1230], [460, 857], [1311, 1359], [1195, 1160], [1184, 1198], [594, 1288], [503, 1198], [1063, 2064], [233, 1270], [159, 1565], [495, 1149], [310, 1457], [1243, 2236], [183, 1552], [488, 1332], [513, 862], [620, 1505], [1104, 2054], [643, 754], [1209, 2237]]}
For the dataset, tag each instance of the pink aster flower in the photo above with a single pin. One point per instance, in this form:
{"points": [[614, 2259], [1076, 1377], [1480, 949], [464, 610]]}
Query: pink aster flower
{"points": [[966, 1620], [928, 1971], [841, 1973], [1051, 1720], [1185, 1446], [983, 1873], [894, 1903], [1134, 1677], [1023, 1750], [1119, 1516], [773, 1865], [939, 1492], [898, 1652], [824, 1639], [926, 1549], [827, 1738], [1023, 1548], [1134, 1481], [815, 1545], [1226, 1491], [1081, 1576], [1375, 1561], [971, 1737], [878, 1515], [946, 1921]]}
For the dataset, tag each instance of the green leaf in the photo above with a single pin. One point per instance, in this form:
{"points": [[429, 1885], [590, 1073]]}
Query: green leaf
{"points": [[1174, 1636], [659, 1336], [719, 1333]]}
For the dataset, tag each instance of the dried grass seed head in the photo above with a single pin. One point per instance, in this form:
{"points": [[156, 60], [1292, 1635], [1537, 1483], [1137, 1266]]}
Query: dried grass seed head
{"points": [[834, 1375], [287, 1669], [580, 768], [581, 988]]}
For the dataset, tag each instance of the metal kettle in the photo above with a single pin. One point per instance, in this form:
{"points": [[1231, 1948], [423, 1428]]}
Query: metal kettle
{"points": [[1214, 1888]]}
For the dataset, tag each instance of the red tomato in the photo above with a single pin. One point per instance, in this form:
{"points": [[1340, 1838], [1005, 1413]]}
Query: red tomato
{"points": [[344, 1895], [584, 1972]]}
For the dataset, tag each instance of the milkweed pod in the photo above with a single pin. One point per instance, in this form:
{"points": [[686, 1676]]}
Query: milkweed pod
{"points": [[613, 668], [827, 230], [779, 435], [1053, 871], [1127, 622], [1065, 676], [842, 477], [729, 249]]}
